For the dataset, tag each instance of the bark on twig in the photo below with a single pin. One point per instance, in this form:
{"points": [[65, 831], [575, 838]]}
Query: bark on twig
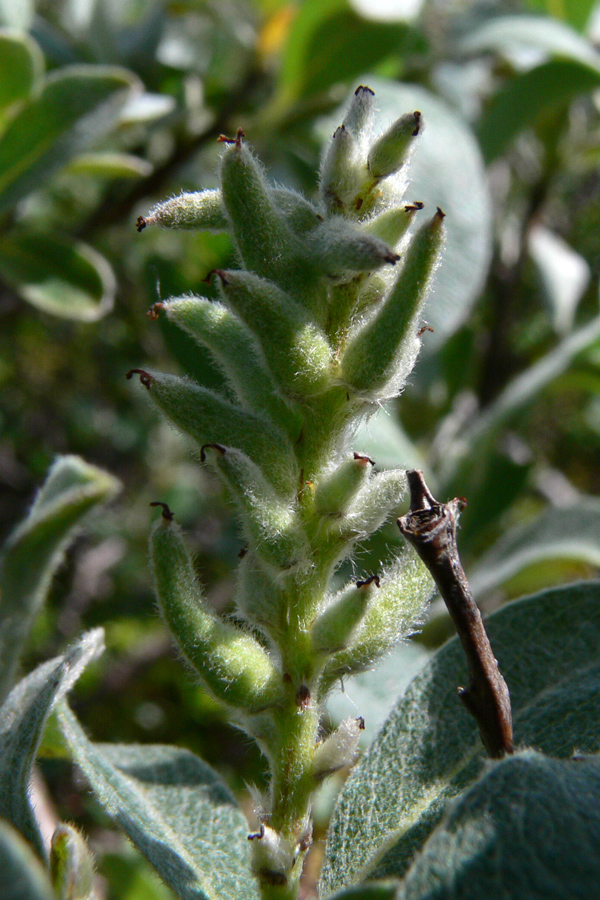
{"points": [[431, 529]]}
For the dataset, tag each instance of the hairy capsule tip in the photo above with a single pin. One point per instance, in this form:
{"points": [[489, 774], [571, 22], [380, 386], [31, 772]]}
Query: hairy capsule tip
{"points": [[372, 579], [140, 224], [166, 511], [362, 458], [205, 447], [145, 377]]}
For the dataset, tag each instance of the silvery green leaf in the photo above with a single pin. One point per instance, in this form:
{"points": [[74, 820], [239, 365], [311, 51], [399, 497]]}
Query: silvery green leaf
{"points": [[22, 876], [175, 809], [565, 533], [35, 550], [429, 750], [22, 719], [529, 828]]}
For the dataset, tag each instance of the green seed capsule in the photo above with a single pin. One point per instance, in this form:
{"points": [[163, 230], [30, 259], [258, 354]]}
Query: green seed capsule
{"points": [[342, 174], [392, 224], [232, 344], [387, 345], [71, 865], [233, 666], [394, 613], [390, 151], [333, 629], [203, 210], [341, 250], [359, 117], [271, 525], [296, 350], [210, 419]]}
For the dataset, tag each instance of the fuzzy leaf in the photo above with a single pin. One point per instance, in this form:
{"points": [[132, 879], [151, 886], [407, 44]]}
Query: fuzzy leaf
{"points": [[530, 827], [175, 809], [22, 719], [22, 876], [35, 550], [58, 275], [77, 105], [428, 751], [509, 35]]}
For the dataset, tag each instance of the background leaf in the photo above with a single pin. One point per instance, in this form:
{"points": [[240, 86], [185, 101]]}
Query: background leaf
{"points": [[58, 275], [526, 97], [35, 550], [530, 827], [22, 719], [557, 534], [175, 809], [77, 105], [21, 68], [428, 751]]}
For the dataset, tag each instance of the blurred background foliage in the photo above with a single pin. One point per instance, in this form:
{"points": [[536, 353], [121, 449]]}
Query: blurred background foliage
{"points": [[109, 105]]}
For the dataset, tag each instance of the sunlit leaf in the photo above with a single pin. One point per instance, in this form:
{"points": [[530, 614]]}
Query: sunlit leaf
{"points": [[35, 550], [22, 719], [77, 105], [175, 809], [429, 750]]}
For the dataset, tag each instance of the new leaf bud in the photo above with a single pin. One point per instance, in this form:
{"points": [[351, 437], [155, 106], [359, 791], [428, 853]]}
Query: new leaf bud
{"points": [[71, 865], [390, 151], [272, 525], [333, 629], [376, 354], [339, 749], [231, 663], [335, 491]]}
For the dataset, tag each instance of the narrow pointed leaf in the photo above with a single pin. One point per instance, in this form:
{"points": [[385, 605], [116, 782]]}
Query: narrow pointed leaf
{"points": [[428, 751], [34, 551], [22, 876], [22, 719], [529, 828], [175, 809]]}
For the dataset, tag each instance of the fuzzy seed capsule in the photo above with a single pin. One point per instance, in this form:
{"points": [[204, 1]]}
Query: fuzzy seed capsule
{"points": [[271, 524], [335, 491], [390, 151], [203, 210], [232, 665], [211, 419], [296, 349], [334, 627], [342, 250], [211, 324], [375, 356]]}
